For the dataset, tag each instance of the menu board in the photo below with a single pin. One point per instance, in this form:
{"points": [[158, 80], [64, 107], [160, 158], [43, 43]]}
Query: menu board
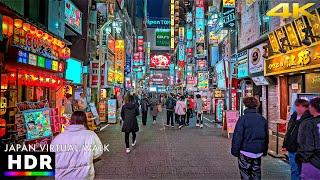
{"points": [[112, 111], [37, 123]]}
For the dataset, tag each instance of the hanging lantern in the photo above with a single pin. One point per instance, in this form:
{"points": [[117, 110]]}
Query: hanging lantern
{"points": [[45, 36], [18, 23], [7, 26], [26, 27], [33, 30], [39, 33], [50, 38]]}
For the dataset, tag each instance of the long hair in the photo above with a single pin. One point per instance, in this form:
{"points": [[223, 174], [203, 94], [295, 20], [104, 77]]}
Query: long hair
{"points": [[80, 118]]}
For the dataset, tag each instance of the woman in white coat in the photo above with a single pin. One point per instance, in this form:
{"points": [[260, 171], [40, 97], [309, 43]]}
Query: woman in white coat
{"points": [[75, 149]]}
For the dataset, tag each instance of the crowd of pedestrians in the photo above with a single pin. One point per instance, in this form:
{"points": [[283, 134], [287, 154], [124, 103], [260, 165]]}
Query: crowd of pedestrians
{"points": [[249, 143]]}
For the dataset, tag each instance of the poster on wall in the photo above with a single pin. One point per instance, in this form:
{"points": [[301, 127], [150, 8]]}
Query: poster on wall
{"points": [[112, 111], [200, 49], [160, 61], [37, 123]]}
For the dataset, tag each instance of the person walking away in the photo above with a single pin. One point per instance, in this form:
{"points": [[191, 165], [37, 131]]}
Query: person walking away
{"points": [[68, 107], [309, 143], [76, 164], [170, 104], [290, 142], [190, 104], [144, 109], [129, 113], [181, 109], [199, 104], [250, 140], [154, 108]]}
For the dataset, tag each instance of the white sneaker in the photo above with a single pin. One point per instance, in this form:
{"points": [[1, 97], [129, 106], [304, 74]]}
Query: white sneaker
{"points": [[201, 126], [128, 150], [154, 122], [197, 125], [180, 126], [134, 143]]}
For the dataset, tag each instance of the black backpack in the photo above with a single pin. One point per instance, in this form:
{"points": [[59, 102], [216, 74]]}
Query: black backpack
{"points": [[170, 104]]}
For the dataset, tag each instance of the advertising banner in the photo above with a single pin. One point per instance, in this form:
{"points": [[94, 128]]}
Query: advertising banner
{"points": [[199, 12], [112, 111], [232, 119], [221, 75], [161, 61], [181, 52], [214, 51], [229, 18], [73, 16]]}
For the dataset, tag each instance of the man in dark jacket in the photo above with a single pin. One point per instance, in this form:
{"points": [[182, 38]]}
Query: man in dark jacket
{"points": [[309, 143], [170, 104], [144, 109], [250, 140], [290, 142], [129, 113]]}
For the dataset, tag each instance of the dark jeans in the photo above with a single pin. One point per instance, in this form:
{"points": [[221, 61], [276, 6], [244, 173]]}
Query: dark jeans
{"points": [[199, 118], [144, 117], [189, 115], [181, 119], [126, 138], [170, 117], [154, 118], [250, 168]]}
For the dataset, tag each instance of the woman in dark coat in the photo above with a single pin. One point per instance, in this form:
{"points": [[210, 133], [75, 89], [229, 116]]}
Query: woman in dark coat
{"points": [[129, 113]]}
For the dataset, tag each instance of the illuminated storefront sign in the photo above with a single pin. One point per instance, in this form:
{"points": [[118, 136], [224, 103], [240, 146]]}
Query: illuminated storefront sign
{"points": [[298, 60], [181, 52], [158, 22], [203, 80], [189, 34], [119, 54], [74, 71], [39, 61], [202, 65], [256, 59], [243, 70], [199, 12], [181, 34], [312, 81], [73, 16], [221, 75], [229, 3], [229, 17], [163, 37], [172, 24], [161, 61], [31, 39]]}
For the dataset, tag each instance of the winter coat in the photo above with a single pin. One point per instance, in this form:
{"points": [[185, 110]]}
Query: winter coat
{"points": [[76, 164], [144, 104], [291, 137], [129, 113], [250, 134], [154, 107], [309, 141], [181, 108]]}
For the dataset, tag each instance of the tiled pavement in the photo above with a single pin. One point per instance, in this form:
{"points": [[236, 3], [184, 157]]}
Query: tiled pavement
{"points": [[163, 152]]}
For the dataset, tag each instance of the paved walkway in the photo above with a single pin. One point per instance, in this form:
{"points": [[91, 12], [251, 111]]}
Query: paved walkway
{"points": [[163, 152]]}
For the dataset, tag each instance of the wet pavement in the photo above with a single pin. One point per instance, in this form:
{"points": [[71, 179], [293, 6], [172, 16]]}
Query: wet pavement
{"points": [[170, 153]]}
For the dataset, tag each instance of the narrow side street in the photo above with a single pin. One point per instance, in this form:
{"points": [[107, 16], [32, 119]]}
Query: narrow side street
{"points": [[163, 152]]}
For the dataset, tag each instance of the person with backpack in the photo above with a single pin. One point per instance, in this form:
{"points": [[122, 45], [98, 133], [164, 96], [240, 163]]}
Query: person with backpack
{"points": [[170, 104], [199, 104], [144, 109], [181, 110]]}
